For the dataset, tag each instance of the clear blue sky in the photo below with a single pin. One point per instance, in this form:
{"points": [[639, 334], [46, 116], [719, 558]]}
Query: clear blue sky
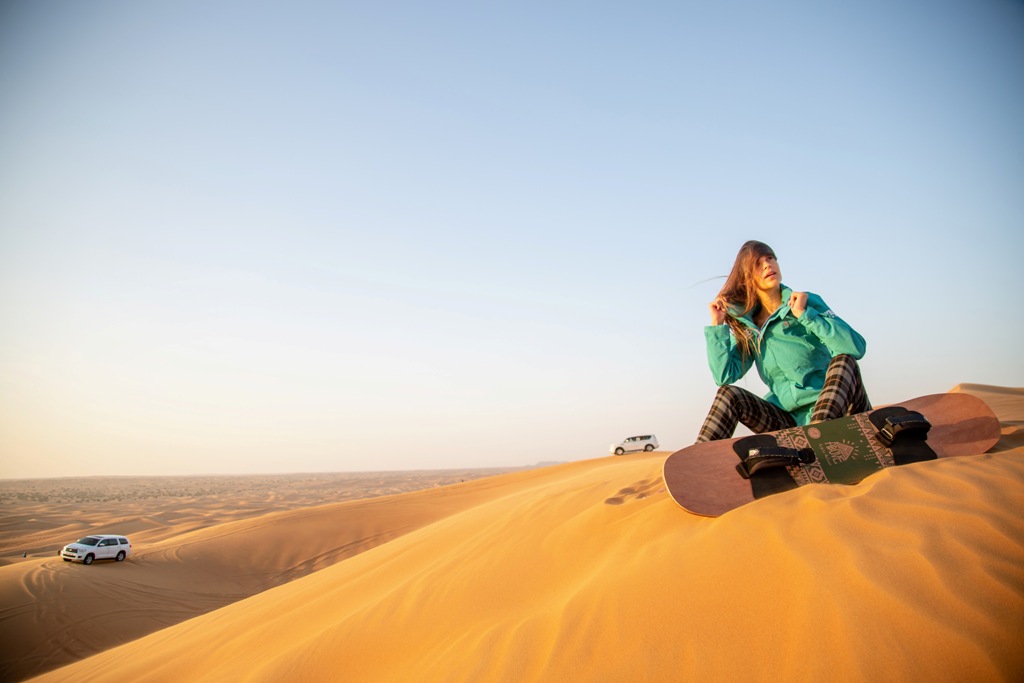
{"points": [[310, 236]]}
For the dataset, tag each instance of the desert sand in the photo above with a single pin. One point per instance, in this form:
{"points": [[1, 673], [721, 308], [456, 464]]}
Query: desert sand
{"points": [[582, 571], [37, 517]]}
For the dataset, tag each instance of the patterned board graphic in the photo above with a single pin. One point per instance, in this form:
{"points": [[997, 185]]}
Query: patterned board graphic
{"points": [[847, 451]]}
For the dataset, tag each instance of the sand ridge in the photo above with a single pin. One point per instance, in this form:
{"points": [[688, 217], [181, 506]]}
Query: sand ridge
{"points": [[209, 553], [588, 571], [38, 516]]}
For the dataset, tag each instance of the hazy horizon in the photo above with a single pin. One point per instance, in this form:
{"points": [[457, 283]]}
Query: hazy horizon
{"points": [[300, 473], [324, 237]]}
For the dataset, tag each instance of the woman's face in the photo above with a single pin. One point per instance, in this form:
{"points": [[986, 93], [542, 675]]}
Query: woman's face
{"points": [[767, 274]]}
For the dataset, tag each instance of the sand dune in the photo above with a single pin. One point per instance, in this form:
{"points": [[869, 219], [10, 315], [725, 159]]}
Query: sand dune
{"points": [[1006, 402], [217, 548], [38, 516], [588, 571]]}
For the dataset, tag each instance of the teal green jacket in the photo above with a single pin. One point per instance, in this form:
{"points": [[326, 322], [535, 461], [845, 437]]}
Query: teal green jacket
{"points": [[791, 353]]}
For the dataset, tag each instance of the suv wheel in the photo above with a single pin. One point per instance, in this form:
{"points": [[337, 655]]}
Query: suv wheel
{"points": [[88, 559], [120, 556], [648, 447], [619, 451]]}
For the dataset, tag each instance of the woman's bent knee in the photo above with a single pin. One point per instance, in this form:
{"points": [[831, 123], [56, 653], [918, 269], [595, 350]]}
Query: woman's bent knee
{"points": [[728, 392]]}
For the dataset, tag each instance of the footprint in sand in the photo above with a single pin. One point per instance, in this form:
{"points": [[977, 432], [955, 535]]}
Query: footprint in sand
{"points": [[638, 491]]}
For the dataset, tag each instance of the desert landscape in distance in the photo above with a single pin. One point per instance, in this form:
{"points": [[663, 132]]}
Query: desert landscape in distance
{"points": [[582, 571], [39, 516]]}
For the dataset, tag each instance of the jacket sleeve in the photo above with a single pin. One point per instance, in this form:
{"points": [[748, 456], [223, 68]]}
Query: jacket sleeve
{"points": [[724, 356], [837, 336]]}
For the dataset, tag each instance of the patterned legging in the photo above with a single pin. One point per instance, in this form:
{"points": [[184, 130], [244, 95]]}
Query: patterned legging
{"points": [[843, 394]]}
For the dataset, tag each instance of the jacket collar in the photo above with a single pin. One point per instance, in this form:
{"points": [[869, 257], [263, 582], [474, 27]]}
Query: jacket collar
{"points": [[779, 313]]}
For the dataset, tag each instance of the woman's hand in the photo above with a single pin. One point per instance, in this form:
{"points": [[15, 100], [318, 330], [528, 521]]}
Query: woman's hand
{"points": [[717, 310], [798, 303]]}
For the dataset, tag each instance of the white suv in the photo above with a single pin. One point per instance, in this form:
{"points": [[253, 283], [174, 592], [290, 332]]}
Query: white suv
{"points": [[97, 547], [635, 443]]}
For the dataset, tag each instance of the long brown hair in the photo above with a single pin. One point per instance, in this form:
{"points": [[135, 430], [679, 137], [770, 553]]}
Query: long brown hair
{"points": [[740, 291]]}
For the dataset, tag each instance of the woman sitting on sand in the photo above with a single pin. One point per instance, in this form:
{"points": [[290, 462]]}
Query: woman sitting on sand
{"points": [[805, 354]]}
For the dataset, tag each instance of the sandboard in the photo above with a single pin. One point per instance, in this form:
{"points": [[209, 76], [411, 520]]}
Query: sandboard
{"points": [[704, 479]]}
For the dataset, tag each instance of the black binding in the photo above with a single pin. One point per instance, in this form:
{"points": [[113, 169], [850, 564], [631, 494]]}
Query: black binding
{"points": [[764, 457], [904, 433], [909, 425], [769, 481]]}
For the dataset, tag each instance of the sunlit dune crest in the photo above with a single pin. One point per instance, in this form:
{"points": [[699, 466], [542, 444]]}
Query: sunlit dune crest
{"points": [[986, 388], [582, 571], [1006, 402]]}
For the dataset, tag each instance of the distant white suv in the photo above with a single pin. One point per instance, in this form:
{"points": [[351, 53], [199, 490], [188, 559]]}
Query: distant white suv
{"points": [[635, 443], [97, 547]]}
